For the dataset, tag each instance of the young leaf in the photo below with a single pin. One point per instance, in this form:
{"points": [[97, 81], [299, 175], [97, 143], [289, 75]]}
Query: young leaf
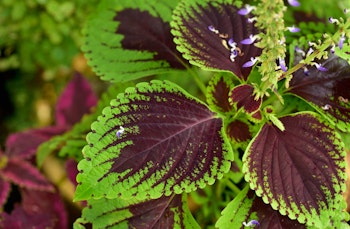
{"points": [[247, 207], [327, 91], [243, 96], [238, 131], [153, 140], [126, 40], [165, 212], [209, 35], [300, 171], [218, 93]]}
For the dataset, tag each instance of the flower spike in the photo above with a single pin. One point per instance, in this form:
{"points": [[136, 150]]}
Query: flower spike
{"points": [[246, 10], [294, 3], [293, 29], [250, 63]]}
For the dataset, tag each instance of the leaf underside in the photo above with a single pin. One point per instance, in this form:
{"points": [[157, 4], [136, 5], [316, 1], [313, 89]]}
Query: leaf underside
{"points": [[327, 91], [132, 40], [299, 171], [246, 207], [207, 49], [165, 212], [172, 143]]}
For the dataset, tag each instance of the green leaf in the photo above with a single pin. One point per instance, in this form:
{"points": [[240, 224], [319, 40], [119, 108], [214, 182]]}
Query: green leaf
{"points": [[171, 143], [126, 40], [246, 207], [166, 212], [300, 171]]}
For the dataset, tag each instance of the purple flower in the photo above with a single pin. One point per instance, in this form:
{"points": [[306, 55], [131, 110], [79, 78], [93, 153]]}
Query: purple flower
{"points": [[249, 40], [120, 131], [233, 55], [282, 64], [299, 50], [333, 21], [251, 223], [250, 63], [293, 29], [246, 10], [306, 71], [212, 29], [332, 50], [232, 43], [310, 51], [252, 19], [294, 3], [341, 41], [320, 67]]}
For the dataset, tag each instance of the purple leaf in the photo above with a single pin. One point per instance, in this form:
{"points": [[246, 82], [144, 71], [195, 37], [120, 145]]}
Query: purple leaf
{"points": [[5, 189], [238, 131], [144, 32], [26, 175], [218, 93], [300, 171], [72, 170], [24, 144], [37, 210], [243, 96], [213, 50], [326, 89], [76, 100], [172, 143]]}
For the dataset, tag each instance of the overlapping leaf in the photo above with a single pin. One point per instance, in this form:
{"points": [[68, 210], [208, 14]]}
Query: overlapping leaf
{"points": [[130, 39], [171, 143], [300, 171], [218, 93], [247, 207], [243, 97], [165, 212], [203, 29], [327, 91]]}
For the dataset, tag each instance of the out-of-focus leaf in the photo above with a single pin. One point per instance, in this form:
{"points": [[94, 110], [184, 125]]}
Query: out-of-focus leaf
{"points": [[5, 189], [170, 143], [76, 100]]}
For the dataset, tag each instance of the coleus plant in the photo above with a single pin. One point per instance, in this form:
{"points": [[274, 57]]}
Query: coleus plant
{"points": [[264, 145]]}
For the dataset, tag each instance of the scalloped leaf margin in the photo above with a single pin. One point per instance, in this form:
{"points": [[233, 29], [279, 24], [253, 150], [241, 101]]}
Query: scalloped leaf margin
{"points": [[130, 39], [300, 171], [172, 143], [165, 212]]}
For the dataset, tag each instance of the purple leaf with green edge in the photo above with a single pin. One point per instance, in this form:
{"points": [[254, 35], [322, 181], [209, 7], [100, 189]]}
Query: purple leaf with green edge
{"points": [[208, 34], [172, 143], [218, 91], [238, 131], [76, 100], [72, 171], [247, 207], [124, 43], [327, 91], [165, 212], [300, 171], [5, 189], [243, 96], [24, 144], [36, 210], [24, 174]]}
